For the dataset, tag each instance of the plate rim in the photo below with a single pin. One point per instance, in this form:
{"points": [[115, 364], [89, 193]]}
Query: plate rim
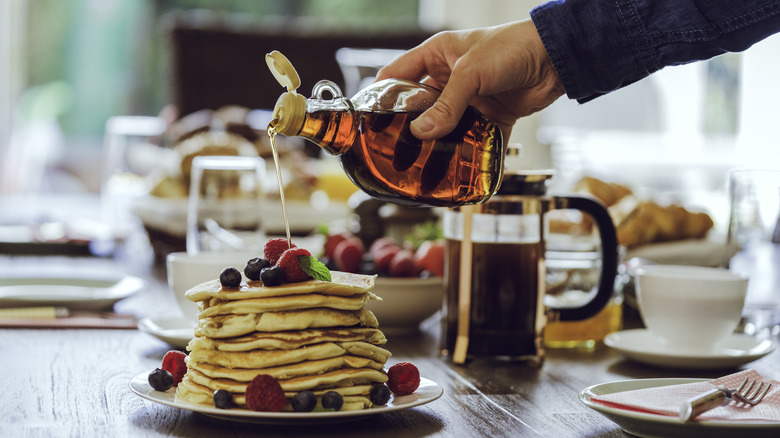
{"points": [[662, 357], [585, 398], [140, 386], [112, 288]]}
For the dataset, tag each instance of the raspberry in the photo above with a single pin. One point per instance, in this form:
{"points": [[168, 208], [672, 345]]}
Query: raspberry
{"points": [[403, 378], [274, 248], [265, 394], [291, 266], [173, 362]]}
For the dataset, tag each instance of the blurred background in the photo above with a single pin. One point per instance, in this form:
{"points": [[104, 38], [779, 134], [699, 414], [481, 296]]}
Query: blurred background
{"points": [[68, 67]]}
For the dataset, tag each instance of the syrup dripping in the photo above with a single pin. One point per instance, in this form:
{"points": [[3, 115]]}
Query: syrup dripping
{"points": [[272, 137]]}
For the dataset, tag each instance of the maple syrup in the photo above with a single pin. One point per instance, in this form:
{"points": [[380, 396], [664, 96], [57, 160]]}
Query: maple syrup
{"points": [[275, 151], [381, 156]]}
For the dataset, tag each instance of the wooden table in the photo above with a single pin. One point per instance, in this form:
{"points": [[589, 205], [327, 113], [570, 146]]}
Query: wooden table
{"points": [[68, 382]]}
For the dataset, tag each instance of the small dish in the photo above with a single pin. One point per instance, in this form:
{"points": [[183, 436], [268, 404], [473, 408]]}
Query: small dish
{"points": [[74, 293], [643, 346], [427, 392], [406, 302], [177, 332], [652, 425]]}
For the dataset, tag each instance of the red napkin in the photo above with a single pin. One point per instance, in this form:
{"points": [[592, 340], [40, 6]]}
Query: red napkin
{"points": [[668, 399]]}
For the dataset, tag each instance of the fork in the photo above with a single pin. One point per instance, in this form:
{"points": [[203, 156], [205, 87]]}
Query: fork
{"points": [[720, 395]]}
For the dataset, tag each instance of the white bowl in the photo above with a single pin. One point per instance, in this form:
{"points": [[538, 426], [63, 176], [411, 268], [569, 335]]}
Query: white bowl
{"points": [[406, 302], [188, 270], [690, 308]]}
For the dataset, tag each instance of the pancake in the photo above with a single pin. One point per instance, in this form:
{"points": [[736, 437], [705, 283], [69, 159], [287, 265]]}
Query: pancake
{"points": [[335, 378], [228, 326], [270, 358], [355, 397], [266, 358], [306, 368], [341, 284], [282, 303], [287, 340]]}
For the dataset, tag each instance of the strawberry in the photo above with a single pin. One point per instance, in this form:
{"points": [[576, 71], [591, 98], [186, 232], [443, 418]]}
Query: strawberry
{"points": [[403, 264], [430, 257], [332, 241], [265, 394], [173, 362], [380, 244], [384, 256], [289, 263], [348, 255], [403, 378], [274, 248]]}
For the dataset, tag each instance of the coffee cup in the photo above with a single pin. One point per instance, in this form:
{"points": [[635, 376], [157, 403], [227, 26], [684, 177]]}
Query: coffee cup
{"points": [[188, 270], [690, 309]]}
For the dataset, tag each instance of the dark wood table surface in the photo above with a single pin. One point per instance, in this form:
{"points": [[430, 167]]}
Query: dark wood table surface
{"points": [[74, 382]]}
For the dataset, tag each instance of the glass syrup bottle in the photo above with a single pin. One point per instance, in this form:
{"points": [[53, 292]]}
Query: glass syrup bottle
{"points": [[370, 134]]}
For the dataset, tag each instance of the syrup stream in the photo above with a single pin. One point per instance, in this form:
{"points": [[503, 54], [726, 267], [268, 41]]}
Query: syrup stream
{"points": [[272, 137]]}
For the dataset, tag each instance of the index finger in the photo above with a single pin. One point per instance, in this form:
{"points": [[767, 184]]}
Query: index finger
{"points": [[411, 66]]}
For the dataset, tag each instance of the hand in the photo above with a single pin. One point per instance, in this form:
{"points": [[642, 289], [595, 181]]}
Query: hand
{"points": [[503, 71]]}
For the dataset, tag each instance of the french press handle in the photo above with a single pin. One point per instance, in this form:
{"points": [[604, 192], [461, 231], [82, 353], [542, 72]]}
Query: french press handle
{"points": [[609, 255]]}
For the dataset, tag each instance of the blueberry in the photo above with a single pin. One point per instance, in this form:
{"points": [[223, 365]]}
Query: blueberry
{"points": [[223, 399], [160, 379], [273, 276], [332, 400], [304, 401], [230, 277], [254, 266], [380, 395]]}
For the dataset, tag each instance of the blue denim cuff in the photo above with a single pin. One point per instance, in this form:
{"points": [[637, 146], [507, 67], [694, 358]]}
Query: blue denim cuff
{"points": [[598, 46]]}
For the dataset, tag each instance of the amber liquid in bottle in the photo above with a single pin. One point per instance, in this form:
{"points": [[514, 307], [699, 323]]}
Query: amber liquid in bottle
{"points": [[381, 156]]}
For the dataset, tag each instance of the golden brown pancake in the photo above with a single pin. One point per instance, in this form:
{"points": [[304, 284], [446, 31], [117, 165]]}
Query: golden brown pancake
{"points": [[228, 326], [288, 340], [282, 303], [306, 368], [342, 284]]}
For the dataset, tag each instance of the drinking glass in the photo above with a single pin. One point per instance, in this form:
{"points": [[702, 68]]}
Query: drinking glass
{"points": [[131, 151], [754, 243], [225, 207]]}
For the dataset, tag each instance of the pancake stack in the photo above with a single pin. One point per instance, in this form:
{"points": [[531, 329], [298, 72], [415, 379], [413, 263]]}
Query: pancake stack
{"points": [[312, 335]]}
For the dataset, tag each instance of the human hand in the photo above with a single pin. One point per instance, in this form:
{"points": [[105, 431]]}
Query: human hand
{"points": [[503, 71]]}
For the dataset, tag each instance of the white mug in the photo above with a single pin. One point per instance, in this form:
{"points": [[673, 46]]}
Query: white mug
{"points": [[188, 270], [690, 309]]}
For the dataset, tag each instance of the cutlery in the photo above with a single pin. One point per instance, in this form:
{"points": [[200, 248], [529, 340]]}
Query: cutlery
{"points": [[720, 395]]}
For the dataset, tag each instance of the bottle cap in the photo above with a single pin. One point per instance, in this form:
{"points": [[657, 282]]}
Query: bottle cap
{"points": [[283, 70], [290, 109]]}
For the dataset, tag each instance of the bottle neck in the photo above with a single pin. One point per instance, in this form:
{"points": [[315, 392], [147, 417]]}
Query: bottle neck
{"points": [[331, 124]]}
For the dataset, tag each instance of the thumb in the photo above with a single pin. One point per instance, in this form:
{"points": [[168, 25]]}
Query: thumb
{"points": [[441, 118]]}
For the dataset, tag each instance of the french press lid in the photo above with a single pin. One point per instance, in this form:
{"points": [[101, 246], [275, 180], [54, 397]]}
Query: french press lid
{"points": [[526, 182]]}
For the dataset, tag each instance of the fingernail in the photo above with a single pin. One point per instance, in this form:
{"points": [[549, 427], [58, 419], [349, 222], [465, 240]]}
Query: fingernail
{"points": [[423, 124]]}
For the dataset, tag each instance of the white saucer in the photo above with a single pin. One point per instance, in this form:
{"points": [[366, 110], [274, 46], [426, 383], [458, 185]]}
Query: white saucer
{"points": [[175, 331], [75, 293], [427, 392], [652, 425], [643, 346]]}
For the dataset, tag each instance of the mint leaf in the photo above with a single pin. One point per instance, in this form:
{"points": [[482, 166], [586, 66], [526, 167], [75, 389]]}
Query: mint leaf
{"points": [[315, 268]]}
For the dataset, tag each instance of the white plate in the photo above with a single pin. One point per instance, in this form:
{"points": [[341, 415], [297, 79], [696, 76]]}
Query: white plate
{"points": [[175, 331], [73, 293], [426, 393], [643, 346], [652, 425]]}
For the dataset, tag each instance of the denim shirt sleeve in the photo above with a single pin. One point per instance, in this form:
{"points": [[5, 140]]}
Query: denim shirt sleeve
{"points": [[598, 46]]}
